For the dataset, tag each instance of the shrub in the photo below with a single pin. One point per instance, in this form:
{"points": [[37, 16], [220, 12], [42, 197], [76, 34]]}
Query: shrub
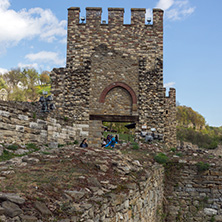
{"points": [[76, 142], [34, 115], [6, 155], [161, 158], [66, 119], [135, 146], [179, 154], [173, 149], [13, 147], [207, 140], [202, 166]]}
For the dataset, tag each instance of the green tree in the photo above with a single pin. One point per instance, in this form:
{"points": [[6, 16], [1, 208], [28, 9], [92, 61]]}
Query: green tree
{"points": [[186, 116], [45, 78], [21, 85], [12, 78], [2, 83], [30, 79]]}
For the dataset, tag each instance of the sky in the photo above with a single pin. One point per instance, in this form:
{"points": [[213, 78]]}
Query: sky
{"points": [[33, 34]]}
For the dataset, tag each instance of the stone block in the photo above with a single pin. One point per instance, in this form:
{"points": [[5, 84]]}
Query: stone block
{"points": [[210, 211], [20, 128], [11, 209], [33, 125], [4, 113], [23, 117]]}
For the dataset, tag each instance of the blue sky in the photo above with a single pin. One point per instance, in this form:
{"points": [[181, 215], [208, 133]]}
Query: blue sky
{"points": [[33, 33]]}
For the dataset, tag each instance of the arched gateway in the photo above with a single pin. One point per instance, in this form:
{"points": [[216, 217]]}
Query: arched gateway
{"points": [[114, 73]]}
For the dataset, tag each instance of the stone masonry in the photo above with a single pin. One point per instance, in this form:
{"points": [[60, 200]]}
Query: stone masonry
{"points": [[23, 123], [114, 72]]}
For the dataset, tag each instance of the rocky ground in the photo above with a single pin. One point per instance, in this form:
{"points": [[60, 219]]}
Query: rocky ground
{"points": [[60, 184]]}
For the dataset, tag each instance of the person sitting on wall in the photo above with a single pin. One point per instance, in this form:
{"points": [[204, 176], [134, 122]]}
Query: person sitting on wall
{"points": [[84, 143], [111, 143]]}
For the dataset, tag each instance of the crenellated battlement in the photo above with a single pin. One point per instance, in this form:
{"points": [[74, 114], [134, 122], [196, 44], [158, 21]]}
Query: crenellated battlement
{"points": [[114, 72], [115, 16]]}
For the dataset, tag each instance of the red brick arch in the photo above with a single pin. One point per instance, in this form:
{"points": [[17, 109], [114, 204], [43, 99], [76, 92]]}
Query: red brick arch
{"points": [[118, 84]]}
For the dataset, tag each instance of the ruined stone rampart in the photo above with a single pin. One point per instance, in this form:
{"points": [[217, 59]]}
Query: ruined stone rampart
{"points": [[192, 194], [24, 123]]}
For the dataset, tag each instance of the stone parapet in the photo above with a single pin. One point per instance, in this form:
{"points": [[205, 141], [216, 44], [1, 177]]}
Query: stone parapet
{"points": [[25, 124]]}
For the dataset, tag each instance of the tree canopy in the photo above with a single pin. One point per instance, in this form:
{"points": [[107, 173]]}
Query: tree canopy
{"points": [[187, 116], [26, 84]]}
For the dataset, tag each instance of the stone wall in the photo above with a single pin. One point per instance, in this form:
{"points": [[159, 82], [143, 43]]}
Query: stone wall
{"points": [[141, 202], [193, 195], [110, 67], [170, 119], [23, 123], [71, 93]]}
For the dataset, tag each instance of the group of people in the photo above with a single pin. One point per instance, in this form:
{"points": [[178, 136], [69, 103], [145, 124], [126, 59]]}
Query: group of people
{"points": [[109, 141]]}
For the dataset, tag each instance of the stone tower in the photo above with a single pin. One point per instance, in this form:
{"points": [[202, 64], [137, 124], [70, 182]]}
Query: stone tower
{"points": [[114, 72]]}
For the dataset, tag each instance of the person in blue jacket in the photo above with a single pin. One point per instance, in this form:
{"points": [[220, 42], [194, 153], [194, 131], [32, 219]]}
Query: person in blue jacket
{"points": [[111, 143]]}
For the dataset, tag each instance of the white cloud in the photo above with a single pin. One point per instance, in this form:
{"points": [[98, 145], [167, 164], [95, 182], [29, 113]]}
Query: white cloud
{"points": [[165, 4], [169, 84], [4, 4], [3, 71], [46, 57], [33, 65], [174, 9], [26, 24]]}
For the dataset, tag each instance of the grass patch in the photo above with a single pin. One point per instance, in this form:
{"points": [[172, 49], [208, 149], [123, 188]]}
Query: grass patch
{"points": [[173, 149], [6, 155], [161, 158], [13, 147], [76, 142], [179, 154], [202, 166], [135, 146], [31, 146]]}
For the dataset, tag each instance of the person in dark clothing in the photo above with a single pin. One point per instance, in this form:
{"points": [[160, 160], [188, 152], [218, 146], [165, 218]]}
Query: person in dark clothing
{"points": [[108, 139], [84, 143], [116, 138]]}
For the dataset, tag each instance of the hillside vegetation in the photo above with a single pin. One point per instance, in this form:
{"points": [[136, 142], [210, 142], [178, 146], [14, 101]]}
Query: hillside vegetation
{"points": [[25, 84], [192, 128]]}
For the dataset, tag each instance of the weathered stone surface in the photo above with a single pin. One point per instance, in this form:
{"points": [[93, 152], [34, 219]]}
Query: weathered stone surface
{"points": [[2, 211], [94, 181], [11, 209], [53, 145], [41, 207], [1, 150], [12, 197], [30, 160], [218, 218], [21, 151], [210, 211], [77, 195], [27, 218]]}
